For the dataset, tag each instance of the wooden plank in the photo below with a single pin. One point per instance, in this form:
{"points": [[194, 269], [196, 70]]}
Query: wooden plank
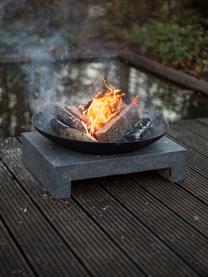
{"points": [[175, 211], [196, 181], [130, 234], [189, 138], [188, 243], [163, 71], [36, 238], [11, 259], [66, 116], [196, 184], [93, 246], [195, 126], [203, 120], [118, 125], [178, 200]]}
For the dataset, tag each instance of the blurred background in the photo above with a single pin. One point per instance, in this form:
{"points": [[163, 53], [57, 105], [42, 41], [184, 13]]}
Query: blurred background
{"points": [[173, 33]]}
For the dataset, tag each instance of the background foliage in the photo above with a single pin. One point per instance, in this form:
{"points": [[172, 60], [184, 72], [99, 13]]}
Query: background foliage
{"points": [[173, 31], [183, 44]]}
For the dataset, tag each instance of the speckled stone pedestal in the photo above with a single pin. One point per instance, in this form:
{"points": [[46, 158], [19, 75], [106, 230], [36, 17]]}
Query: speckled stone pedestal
{"points": [[55, 167]]}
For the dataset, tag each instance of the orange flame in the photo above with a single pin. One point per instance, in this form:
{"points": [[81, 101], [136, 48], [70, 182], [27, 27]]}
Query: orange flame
{"points": [[105, 105]]}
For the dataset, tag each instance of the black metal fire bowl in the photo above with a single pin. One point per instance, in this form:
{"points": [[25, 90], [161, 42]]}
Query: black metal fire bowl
{"points": [[42, 123]]}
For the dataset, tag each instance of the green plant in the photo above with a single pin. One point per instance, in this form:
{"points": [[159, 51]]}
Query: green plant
{"points": [[173, 41]]}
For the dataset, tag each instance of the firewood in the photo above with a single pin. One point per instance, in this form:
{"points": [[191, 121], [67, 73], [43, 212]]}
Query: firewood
{"points": [[86, 106], [70, 133], [140, 129], [75, 134], [117, 126], [69, 116], [77, 112]]}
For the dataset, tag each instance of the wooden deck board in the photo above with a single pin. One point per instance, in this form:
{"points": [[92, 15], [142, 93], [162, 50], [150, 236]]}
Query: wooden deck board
{"points": [[90, 244], [196, 126], [134, 225], [160, 219], [184, 205], [203, 120], [128, 231], [189, 138], [35, 236], [196, 184], [94, 204], [11, 259]]}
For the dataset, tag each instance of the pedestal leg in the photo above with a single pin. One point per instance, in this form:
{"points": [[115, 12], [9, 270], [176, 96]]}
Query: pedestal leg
{"points": [[176, 170], [177, 173], [60, 185], [174, 174]]}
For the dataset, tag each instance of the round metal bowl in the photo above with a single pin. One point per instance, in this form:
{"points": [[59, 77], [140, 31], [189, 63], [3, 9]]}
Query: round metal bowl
{"points": [[41, 122]]}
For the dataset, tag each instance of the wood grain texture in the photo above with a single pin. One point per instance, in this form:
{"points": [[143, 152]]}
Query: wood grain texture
{"points": [[134, 225], [120, 225], [118, 125], [12, 261], [90, 244]]}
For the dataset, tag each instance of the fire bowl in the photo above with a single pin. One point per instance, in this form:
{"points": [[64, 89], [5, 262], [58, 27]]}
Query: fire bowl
{"points": [[42, 123]]}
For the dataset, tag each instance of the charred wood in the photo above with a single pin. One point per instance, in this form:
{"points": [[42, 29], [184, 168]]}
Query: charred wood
{"points": [[117, 126], [138, 131], [70, 133], [77, 112], [71, 116]]}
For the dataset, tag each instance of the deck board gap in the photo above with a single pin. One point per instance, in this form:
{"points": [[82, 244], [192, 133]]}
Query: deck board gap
{"points": [[187, 146], [170, 209], [183, 124], [47, 220], [148, 228], [191, 193], [19, 247], [113, 241]]}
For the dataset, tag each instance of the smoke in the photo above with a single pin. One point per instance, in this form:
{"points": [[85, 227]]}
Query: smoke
{"points": [[38, 30], [41, 79], [46, 34]]}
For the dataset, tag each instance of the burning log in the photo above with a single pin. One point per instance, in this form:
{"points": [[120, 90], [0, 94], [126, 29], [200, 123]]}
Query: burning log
{"points": [[71, 116], [105, 118], [106, 104], [70, 133], [77, 112], [117, 126]]}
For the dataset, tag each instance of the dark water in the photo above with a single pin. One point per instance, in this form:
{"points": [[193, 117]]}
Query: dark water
{"points": [[25, 89]]}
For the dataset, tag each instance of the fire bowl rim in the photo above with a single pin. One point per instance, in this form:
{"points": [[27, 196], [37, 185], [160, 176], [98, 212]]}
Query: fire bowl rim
{"points": [[96, 147]]}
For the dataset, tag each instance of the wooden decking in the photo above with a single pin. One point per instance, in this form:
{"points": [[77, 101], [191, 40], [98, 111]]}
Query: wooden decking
{"points": [[135, 225]]}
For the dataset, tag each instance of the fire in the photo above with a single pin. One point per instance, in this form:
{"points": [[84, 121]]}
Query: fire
{"points": [[106, 104]]}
